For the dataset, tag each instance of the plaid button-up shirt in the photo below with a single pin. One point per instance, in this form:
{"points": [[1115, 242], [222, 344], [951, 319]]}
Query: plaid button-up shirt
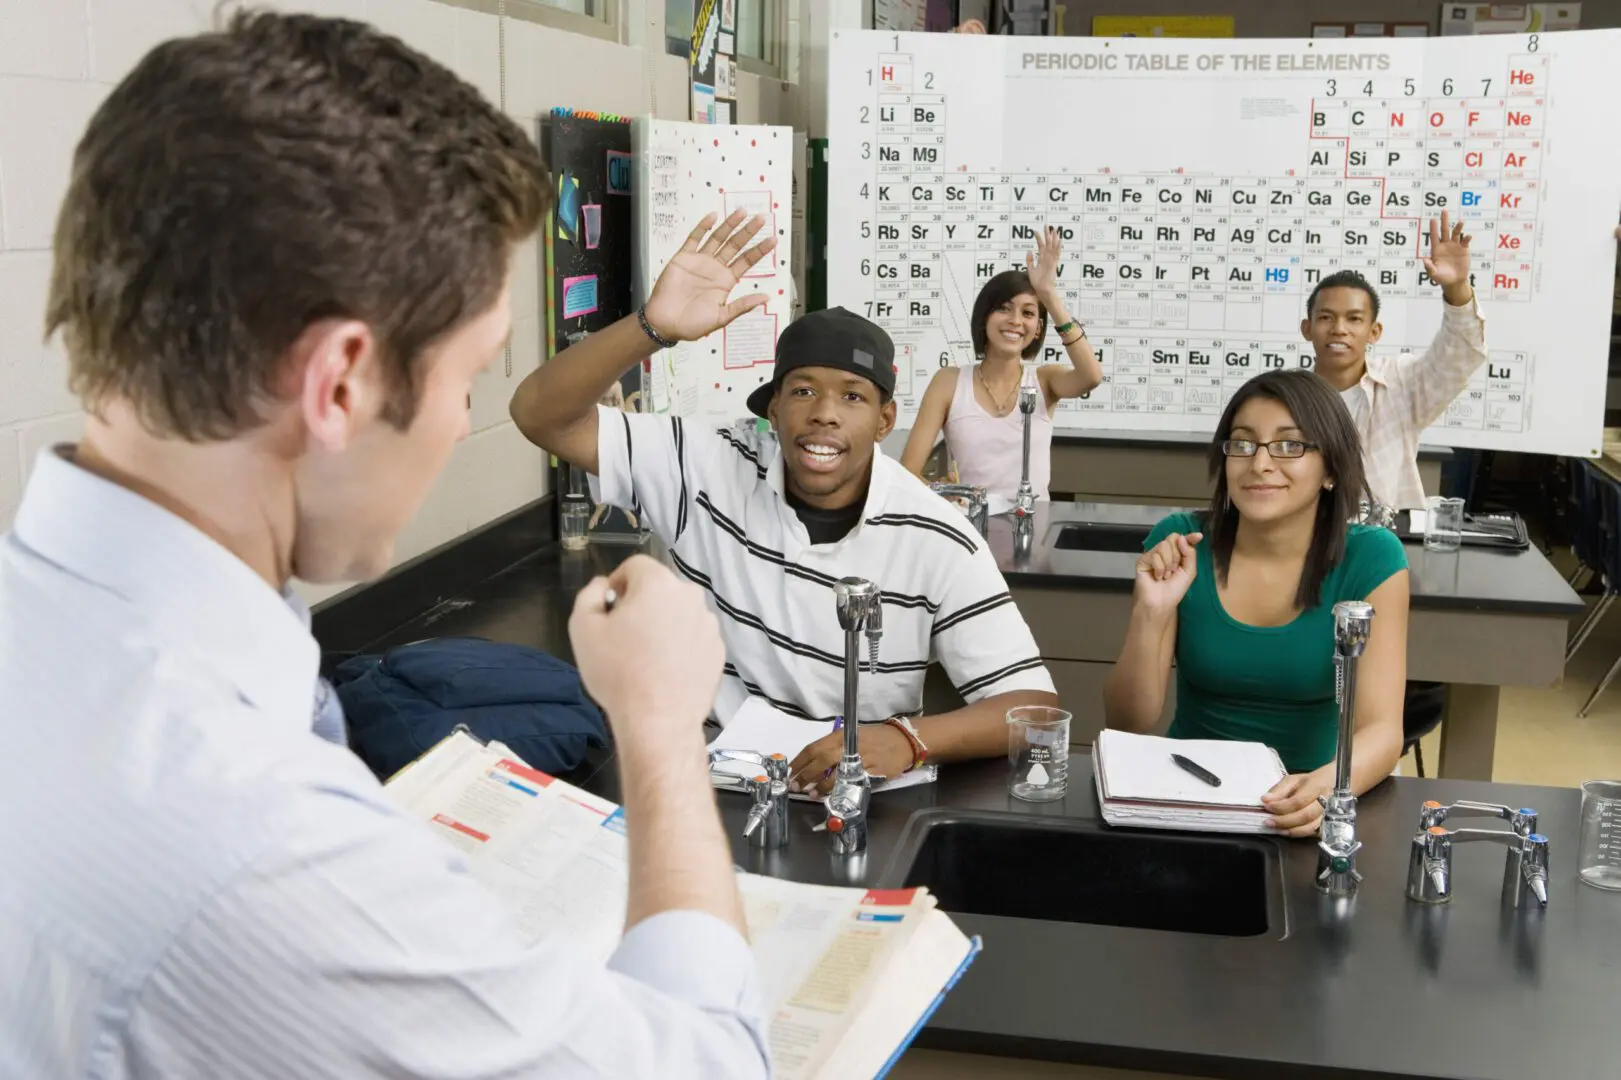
{"points": [[1399, 396]]}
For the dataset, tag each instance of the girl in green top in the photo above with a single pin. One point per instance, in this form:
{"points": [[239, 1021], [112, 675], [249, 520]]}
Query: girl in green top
{"points": [[1243, 595]]}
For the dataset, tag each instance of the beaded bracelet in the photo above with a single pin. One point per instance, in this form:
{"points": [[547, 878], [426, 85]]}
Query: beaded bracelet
{"points": [[647, 328]]}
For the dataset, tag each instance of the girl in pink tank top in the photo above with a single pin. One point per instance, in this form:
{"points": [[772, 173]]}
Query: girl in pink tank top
{"points": [[977, 406]]}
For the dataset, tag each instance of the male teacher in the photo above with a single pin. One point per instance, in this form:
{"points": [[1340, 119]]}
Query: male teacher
{"points": [[280, 265]]}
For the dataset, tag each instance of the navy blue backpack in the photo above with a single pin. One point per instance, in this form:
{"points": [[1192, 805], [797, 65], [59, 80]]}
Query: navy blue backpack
{"points": [[401, 703]]}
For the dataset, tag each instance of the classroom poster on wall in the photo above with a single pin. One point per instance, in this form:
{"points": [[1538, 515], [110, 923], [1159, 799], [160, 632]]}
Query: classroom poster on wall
{"points": [[701, 60], [1217, 182], [1509, 18], [903, 15], [1174, 26], [800, 209], [691, 170]]}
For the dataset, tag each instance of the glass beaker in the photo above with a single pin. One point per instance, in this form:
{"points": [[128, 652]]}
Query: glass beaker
{"points": [[1598, 859], [576, 516], [1443, 527], [1037, 753]]}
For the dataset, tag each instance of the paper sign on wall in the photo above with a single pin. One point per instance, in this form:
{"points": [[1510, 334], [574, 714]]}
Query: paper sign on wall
{"points": [[1172, 26], [1509, 18], [579, 296], [694, 170]]}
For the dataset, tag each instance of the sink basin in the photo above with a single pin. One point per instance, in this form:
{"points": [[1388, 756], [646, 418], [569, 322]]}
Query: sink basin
{"points": [[1098, 536], [1064, 870]]}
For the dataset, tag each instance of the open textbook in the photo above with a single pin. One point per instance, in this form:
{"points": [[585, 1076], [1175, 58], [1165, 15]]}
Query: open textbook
{"points": [[849, 975], [764, 729]]}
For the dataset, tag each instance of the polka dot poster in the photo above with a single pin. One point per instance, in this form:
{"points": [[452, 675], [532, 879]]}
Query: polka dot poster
{"points": [[689, 171]]}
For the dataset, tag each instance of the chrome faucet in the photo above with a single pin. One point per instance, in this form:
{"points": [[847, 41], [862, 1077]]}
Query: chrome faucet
{"points": [[1525, 872], [1336, 849], [1523, 821], [767, 824], [1024, 503], [860, 611], [1429, 864]]}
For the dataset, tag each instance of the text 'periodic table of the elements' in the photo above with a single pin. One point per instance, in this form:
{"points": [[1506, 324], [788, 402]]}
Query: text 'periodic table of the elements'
{"points": [[1202, 189]]}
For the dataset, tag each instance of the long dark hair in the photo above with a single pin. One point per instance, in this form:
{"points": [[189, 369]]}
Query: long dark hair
{"points": [[998, 291], [1323, 421]]}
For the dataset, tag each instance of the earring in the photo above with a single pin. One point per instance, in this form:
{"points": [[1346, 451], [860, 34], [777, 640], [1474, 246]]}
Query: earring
{"points": [[1328, 486]]}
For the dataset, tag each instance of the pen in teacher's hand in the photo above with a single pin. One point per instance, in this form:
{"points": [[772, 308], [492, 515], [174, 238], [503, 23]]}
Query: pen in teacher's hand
{"points": [[1197, 770]]}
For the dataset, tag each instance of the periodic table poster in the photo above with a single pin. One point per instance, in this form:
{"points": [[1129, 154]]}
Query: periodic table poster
{"points": [[1201, 188], [687, 171]]}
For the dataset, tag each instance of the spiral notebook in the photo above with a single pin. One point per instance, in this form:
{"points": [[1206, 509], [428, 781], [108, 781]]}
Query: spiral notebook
{"points": [[1140, 784]]}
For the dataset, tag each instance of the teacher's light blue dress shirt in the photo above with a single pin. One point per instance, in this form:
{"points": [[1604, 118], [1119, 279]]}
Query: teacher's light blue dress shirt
{"points": [[195, 884]]}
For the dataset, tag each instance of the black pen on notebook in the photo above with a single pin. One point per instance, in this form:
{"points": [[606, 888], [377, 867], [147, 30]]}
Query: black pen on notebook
{"points": [[1197, 770]]}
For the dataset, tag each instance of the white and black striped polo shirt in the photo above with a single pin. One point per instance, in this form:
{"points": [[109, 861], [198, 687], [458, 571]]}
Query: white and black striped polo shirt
{"points": [[716, 500]]}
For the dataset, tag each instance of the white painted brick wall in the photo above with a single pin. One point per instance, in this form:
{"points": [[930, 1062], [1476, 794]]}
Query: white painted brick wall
{"points": [[58, 58]]}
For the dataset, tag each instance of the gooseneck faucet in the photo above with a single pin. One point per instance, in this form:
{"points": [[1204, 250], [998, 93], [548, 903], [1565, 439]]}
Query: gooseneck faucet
{"points": [[1336, 849], [1024, 503], [860, 612]]}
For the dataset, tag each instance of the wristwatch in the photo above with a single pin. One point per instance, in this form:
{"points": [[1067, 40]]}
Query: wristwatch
{"points": [[920, 752]]}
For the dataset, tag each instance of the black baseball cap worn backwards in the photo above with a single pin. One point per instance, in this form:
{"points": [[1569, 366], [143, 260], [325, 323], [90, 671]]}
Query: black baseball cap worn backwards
{"points": [[831, 338]]}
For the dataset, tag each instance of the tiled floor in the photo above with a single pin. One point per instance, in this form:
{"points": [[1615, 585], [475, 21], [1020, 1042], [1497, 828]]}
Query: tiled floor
{"points": [[1541, 740]]}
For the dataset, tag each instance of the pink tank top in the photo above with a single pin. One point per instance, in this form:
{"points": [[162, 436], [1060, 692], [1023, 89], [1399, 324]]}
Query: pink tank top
{"points": [[989, 450]]}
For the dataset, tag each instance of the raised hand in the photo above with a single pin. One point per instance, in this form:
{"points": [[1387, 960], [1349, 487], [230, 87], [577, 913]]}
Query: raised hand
{"points": [[1042, 264], [689, 300], [1166, 571], [1448, 260]]}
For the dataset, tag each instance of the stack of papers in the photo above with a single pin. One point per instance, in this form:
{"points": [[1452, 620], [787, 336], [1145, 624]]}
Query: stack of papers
{"points": [[1140, 785], [763, 728]]}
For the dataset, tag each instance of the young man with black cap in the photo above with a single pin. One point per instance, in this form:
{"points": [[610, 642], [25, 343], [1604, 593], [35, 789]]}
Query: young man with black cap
{"points": [[767, 527]]}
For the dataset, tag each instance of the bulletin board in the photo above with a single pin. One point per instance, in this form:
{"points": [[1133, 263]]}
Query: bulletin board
{"points": [[588, 260], [1273, 163], [690, 170], [591, 173]]}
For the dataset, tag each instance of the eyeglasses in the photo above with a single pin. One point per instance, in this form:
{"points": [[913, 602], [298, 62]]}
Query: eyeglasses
{"points": [[1277, 448]]}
